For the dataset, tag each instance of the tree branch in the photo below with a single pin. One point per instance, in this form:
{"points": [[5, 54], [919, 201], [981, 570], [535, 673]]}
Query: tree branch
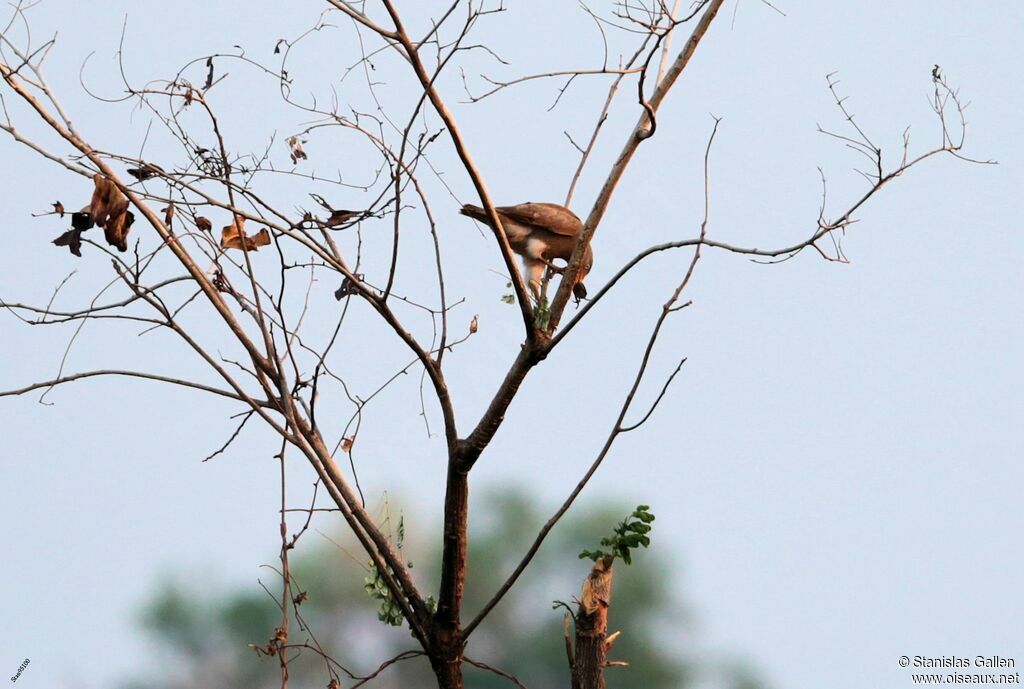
{"points": [[131, 374], [639, 134]]}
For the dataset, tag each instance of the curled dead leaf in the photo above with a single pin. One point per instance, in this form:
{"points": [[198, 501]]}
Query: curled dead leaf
{"points": [[72, 239], [116, 231], [340, 217], [82, 220], [233, 236], [220, 282], [296, 150], [107, 201], [109, 210], [348, 287], [145, 172]]}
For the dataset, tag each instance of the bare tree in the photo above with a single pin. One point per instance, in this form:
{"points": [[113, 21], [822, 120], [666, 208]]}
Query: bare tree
{"points": [[185, 240]]}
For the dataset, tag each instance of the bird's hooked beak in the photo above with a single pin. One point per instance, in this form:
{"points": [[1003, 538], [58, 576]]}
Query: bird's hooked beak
{"points": [[579, 290]]}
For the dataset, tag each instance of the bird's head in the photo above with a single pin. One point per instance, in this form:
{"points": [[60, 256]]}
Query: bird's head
{"points": [[579, 290]]}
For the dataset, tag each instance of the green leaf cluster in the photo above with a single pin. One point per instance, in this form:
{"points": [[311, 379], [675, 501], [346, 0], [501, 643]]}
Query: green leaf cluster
{"points": [[542, 314], [630, 534], [508, 297], [388, 610]]}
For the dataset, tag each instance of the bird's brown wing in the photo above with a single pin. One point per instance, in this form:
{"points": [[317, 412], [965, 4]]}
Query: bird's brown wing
{"points": [[547, 216]]}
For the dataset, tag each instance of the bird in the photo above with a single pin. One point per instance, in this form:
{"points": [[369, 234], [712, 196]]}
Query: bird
{"points": [[540, 233]]}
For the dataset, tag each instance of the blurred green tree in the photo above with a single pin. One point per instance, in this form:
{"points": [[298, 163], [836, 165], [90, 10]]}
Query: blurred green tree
{"points": [[204, 638]]}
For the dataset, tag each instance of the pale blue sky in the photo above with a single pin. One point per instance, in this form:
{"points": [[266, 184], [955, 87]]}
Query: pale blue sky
{"points": [[837, 470]]}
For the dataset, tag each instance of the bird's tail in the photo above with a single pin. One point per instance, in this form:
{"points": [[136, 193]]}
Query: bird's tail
{"points": [[475, 212]]}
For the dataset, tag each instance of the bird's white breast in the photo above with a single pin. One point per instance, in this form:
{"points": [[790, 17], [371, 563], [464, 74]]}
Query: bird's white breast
{"points": [[535, 247]]}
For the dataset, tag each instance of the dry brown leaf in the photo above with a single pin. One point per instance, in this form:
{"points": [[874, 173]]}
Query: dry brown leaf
{"points": [[220, 281], [340, 217], [107, 201], [348, 287], [296, 150], [116, 231], [147, 171], [233, 236], [82, 220], [109, 210], [72, 239]]}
